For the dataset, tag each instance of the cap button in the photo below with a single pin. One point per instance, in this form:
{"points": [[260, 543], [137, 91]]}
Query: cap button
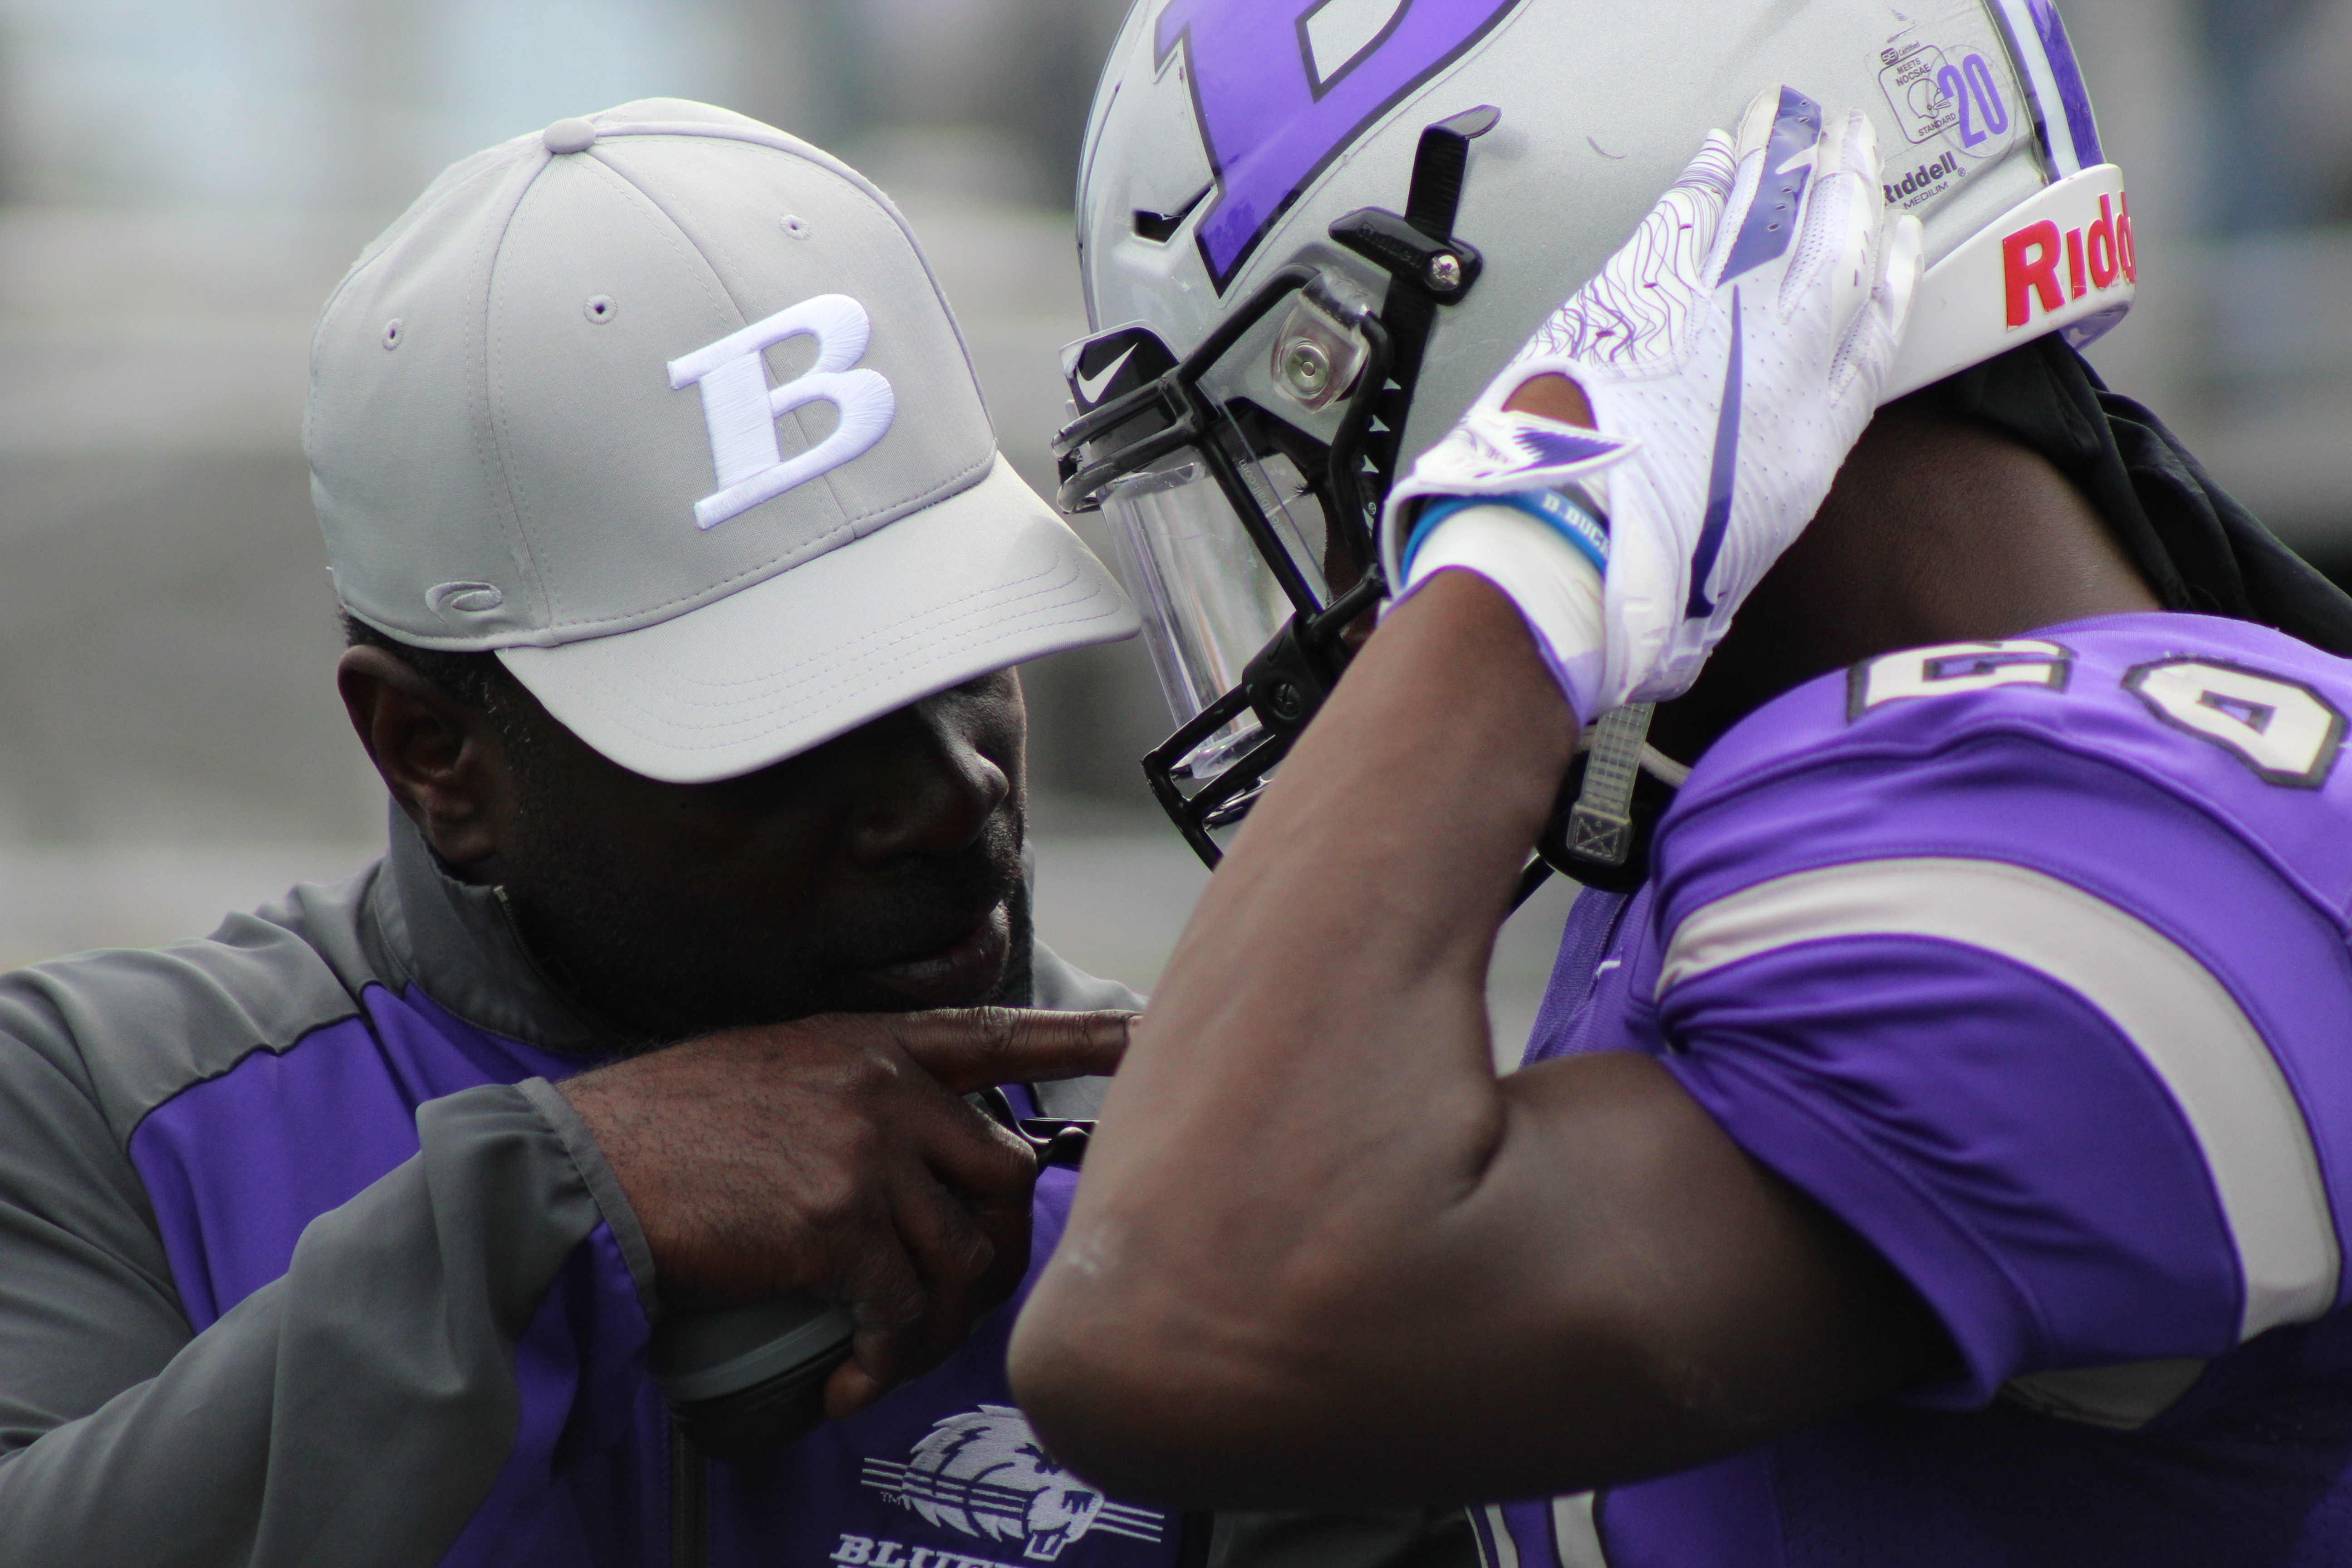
{"points": [[569, 136]]}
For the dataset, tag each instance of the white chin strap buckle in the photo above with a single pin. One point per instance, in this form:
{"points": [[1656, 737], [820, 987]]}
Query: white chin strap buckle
{"points": [[1601, 823]]}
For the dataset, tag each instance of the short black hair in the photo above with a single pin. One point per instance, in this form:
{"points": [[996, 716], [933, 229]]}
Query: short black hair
{"points": [[476, 680]]}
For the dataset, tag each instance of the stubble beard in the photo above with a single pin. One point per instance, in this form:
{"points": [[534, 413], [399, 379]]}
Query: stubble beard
{"points": [[652, 982]]}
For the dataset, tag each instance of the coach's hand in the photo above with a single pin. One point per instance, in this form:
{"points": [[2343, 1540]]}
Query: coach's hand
{"points": [[837, 1155]]}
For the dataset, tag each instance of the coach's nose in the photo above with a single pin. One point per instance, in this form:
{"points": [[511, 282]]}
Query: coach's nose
{"points": [[932, 791]]}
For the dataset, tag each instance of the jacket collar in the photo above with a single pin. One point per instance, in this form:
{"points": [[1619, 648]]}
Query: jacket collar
{"points": [[458, 943]]}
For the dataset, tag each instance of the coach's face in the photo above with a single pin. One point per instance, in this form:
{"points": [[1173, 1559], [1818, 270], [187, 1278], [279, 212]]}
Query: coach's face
{"points": [[878, 872]]}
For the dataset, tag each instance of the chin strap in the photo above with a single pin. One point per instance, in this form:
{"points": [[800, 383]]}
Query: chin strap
{"points": [[1596, 835], [1601, 823], [1663, 768]]}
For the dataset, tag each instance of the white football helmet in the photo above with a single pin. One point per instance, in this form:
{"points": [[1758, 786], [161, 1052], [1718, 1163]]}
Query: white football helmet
{"points": [[1311, 230]]}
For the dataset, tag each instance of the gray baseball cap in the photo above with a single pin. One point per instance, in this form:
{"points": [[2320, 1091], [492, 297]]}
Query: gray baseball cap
{"points": [[665, 406]]}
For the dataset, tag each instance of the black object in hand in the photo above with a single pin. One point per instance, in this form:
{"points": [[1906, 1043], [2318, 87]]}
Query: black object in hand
{"points": [[746, 1381]]}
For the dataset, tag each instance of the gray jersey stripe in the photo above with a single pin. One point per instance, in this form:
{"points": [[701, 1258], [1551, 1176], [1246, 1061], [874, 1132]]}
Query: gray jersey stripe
{"points": [[1506, 1551], [1575, 1534], [2183, 1021], [2123, 1398]]}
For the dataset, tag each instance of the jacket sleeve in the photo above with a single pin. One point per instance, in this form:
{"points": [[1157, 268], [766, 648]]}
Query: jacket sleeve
{"points": [[365, 1409]]}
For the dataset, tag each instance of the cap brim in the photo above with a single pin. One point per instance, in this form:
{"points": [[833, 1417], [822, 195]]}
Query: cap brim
{"points": [[987, 578]]}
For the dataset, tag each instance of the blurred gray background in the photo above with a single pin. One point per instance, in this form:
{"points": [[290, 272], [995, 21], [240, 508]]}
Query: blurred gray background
{"points": [[182, 180]]}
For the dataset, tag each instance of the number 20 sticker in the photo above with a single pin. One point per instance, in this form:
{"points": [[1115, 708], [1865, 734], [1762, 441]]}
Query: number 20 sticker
{"points": [[1970, 85], [2288, 733]]}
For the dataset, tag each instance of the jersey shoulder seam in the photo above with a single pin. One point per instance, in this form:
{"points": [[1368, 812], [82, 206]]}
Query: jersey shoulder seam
{"points": [[1894, 1170], [2001, 730], [257, 1048]]}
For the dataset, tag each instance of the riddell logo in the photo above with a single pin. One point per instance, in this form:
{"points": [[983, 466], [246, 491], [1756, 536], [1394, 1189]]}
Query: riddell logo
{"points": [[2096, 257], [1924, 178]]}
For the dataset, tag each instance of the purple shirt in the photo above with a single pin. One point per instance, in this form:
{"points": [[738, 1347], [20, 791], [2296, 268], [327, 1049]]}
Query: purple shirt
{"points": [[2029, 961], [237, 1166]]}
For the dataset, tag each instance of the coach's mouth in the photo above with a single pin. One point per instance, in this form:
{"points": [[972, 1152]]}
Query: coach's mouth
{"points": [[957, 974]]}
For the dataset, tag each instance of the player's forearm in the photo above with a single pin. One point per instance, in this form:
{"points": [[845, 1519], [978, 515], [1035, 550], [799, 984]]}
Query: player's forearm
{"points": [[1334, 1260], [1314, 1076], [1358, 906], [1379, 867]]}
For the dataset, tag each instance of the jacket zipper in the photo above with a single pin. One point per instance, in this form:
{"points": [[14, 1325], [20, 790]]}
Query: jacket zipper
{"points": [[690, 1502]]}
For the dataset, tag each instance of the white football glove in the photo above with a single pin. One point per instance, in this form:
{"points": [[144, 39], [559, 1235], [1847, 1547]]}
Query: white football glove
{"points": [[1730, 367]]}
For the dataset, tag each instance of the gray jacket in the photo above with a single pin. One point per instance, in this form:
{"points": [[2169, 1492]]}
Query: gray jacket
{"points": [[301, 1261]]}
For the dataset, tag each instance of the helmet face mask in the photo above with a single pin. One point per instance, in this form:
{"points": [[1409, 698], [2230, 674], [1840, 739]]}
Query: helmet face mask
{"points": [[1240, 432], [1246, 538]]}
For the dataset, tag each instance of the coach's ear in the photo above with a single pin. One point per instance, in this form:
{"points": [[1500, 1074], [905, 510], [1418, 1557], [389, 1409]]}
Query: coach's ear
{"points": [[444, 761]]}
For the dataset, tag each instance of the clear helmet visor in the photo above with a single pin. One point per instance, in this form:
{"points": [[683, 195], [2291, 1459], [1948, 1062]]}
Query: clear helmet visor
{"points": [[1212, 600], [1214, 499]]}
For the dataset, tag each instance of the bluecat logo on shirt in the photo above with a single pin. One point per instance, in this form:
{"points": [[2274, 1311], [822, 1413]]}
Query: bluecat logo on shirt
{"points": [[867, 1552], [984, 1474]]}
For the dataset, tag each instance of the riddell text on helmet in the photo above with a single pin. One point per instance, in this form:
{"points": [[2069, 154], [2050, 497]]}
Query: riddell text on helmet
{"points": [[1924, 177], [2094, 257]]}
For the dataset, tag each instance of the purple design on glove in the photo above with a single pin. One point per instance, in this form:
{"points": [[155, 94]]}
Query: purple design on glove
{"points": [[1727, 471], [1772, 217], [1273, 116], [1555, 450], [2077, 96]]}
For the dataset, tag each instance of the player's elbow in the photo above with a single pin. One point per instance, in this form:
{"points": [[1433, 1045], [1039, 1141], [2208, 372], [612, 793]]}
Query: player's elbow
{"points": [[1124, 1396], [1100, 1401], [1189, 1388]]}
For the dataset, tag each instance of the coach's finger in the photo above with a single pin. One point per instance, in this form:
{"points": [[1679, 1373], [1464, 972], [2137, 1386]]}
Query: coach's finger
{"points": [[984, 1161], [967, 1271], [883, 1294], [974, 1047]]}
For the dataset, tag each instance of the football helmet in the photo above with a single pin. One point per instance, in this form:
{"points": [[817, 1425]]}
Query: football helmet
{"points": [[1311, 230]]}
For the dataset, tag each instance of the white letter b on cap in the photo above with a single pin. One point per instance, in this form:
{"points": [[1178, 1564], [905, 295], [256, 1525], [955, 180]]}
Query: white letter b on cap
{"points": [[743, 412]]}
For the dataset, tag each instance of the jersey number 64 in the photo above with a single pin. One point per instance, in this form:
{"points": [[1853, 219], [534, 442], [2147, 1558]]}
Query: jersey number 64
{"points": [[2286, 732]]}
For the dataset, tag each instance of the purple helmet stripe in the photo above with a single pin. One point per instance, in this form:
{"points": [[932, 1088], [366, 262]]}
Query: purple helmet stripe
{"points": [[1490, 1554], [1272, 122], [2073, 92], [1530, 1528], [2045, 61]]}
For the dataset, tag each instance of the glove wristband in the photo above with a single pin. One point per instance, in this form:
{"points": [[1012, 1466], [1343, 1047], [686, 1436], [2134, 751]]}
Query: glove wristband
{"points": [[1552, 581], [1584, 528]]}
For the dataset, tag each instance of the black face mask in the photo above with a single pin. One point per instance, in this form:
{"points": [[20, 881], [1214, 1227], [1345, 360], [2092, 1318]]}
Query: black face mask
{"points": [[2199, 549]]}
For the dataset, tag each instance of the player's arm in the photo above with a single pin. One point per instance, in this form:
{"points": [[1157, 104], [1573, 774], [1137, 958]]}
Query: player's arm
{"points": [[1339, 1259]]}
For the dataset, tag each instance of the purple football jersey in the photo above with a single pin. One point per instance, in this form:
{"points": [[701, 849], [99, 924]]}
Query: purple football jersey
{"points": [[2029, 960]]}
